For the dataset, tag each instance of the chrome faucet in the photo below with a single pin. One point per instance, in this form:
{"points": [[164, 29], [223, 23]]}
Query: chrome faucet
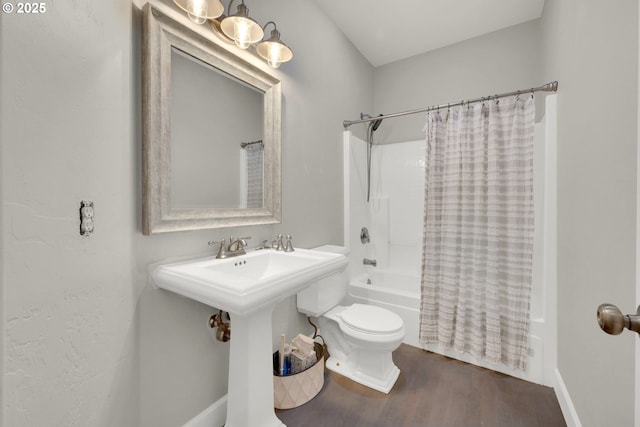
{"points": [[235, 247], [280, 245], [238, 245], [289, 246]]}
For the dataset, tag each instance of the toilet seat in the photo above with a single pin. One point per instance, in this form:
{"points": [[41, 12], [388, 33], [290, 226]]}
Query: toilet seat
{"points": [[370, 319]]}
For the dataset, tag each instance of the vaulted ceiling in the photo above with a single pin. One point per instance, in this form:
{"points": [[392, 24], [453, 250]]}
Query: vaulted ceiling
{"points": [[388, 31]]}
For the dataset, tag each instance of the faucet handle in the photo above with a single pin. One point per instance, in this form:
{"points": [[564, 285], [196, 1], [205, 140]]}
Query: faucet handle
{"points": [[222, 250], [289, 247], [213, 242], [280, 246]]}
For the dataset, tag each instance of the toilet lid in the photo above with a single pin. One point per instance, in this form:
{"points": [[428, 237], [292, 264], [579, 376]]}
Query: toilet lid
{"points": [[371, 319]]}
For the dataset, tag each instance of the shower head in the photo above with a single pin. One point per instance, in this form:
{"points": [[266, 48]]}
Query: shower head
{"points": [[374, 124]]}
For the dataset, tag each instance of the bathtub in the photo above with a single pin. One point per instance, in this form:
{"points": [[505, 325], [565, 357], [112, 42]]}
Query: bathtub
{"points": [[400, 293]]}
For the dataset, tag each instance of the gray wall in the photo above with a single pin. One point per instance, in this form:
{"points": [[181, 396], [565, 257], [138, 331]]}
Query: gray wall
{"points": [[497, 62], [2, 230], [592, 49], [70, 330], [87, 340], [70, 335]]}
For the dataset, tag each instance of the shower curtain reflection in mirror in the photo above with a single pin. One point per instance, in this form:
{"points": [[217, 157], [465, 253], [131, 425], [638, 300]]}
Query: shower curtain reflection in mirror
{"points": [[251, 174]]}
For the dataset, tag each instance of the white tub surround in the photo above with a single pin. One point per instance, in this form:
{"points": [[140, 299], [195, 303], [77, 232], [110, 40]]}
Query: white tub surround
{"points": [[394, 220]]}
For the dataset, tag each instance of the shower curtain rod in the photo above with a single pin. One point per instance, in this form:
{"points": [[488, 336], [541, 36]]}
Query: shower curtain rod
{"points": [[244, 144], [549, 87]]}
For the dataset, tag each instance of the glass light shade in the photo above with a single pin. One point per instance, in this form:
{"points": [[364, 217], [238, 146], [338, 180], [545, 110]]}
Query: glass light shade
{"points": [[243, 30], [201, 10], [274, 51]]}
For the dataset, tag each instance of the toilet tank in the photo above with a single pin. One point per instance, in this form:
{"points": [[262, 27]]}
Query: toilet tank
{"points": [[324, 294]]}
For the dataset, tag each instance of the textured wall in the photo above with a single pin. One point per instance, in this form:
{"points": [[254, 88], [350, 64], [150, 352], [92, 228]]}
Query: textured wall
{"points": [[88, 341], [70, 333]]}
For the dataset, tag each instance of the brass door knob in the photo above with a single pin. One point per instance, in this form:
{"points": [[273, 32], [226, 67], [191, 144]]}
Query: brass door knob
{"points": [[612, 321]]}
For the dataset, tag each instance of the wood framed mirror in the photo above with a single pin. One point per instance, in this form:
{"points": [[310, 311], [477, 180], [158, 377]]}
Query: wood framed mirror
{"points": [[211, 131]]}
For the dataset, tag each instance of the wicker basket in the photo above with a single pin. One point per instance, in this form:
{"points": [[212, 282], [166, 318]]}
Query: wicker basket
{"points": [[291, 391]]}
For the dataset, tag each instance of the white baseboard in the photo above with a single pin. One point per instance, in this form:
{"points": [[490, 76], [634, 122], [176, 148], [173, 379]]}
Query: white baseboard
{"points": [[213, 416], [566, 405]]}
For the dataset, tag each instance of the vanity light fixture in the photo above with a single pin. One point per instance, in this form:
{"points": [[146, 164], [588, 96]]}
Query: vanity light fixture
{"points": [[242, 29], [273, 50], [199, 11]]}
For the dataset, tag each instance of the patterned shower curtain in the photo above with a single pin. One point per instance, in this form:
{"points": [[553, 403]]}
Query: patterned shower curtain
{"points": [[478, 230]]}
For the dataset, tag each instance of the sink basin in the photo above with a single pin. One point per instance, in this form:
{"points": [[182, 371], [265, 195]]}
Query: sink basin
{"points": [[249, 286], [248, 282]]}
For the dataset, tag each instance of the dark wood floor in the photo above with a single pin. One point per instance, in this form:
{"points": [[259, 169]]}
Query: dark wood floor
{"points": [[432, 391]]}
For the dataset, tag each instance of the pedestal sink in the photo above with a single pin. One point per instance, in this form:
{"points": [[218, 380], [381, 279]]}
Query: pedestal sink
{"points": [[248, 287]]}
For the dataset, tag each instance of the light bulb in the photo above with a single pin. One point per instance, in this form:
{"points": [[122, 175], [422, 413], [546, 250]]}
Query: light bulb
{"points": [[242, 34], [197, 11], [274, 64], [274, 55]]}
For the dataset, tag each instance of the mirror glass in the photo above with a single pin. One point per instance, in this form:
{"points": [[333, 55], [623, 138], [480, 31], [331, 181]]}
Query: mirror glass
{"points": [[211, 136], [211, 130]]}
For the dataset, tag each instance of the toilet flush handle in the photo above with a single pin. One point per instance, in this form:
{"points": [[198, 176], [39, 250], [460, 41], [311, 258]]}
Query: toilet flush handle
{"points": [[612, 321]]}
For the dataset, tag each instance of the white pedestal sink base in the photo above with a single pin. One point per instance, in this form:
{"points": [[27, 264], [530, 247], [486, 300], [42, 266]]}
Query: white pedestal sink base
{"points": [[248, 287], [250, 395]]}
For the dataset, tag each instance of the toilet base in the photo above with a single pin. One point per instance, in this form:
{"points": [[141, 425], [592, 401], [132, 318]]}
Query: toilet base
{"points": [[383, 384]]}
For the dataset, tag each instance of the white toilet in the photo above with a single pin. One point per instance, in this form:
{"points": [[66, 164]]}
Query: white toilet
{"points": [[359, 337]]}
